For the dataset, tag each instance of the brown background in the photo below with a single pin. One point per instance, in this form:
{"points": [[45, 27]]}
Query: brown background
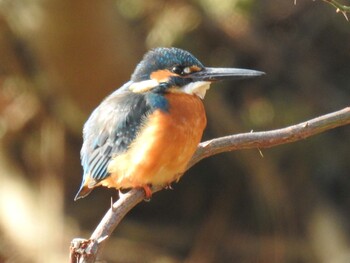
{"points": [[60, 58]]}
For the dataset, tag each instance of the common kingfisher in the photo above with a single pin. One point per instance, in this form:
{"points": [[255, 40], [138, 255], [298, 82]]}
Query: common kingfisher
{"points": [[146, 132]]}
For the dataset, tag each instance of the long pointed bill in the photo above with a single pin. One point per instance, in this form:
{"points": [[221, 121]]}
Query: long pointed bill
{"points": [[215, 74]]}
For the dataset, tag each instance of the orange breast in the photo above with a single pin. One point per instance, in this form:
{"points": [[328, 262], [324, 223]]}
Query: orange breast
{"points": [[164, 147]]}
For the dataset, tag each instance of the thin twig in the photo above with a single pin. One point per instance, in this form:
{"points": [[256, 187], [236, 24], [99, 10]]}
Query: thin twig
{"points": [[344, 9], [86, 251], [338, 5], [340, 8]]}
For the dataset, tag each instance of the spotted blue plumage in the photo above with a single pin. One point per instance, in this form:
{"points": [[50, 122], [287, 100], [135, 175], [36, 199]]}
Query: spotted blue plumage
{"points": [[163, 58]]}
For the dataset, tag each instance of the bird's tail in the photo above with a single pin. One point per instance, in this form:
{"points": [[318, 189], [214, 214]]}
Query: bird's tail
{"points": [[83, 191]]}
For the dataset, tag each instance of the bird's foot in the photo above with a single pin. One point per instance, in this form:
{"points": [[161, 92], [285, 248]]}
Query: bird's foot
{"points": [[148, 192], [169, 186]]}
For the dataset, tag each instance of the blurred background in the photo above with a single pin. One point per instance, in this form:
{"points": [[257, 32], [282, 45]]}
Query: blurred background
{"points": [[60, 58]]}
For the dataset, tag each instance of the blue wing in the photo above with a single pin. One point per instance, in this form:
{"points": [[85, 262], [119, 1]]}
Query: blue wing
{"points": [[108, 132], [111, 128]]}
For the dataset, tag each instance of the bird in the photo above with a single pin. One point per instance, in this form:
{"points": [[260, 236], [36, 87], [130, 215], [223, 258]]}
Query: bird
{"points": [[145, 133]]}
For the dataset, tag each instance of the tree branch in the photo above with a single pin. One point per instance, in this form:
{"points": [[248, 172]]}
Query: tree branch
{"points": [[272, 138], [86, 251]]}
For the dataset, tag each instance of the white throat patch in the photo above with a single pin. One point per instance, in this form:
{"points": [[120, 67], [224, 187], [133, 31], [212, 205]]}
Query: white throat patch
{"points": [[198, 88]]}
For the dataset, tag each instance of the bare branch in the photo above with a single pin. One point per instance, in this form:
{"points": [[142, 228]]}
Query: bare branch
{"points": [[87, 250], [271, 138]]}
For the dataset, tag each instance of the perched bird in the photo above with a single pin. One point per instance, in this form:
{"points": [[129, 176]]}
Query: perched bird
{"points": [[146, 132]]}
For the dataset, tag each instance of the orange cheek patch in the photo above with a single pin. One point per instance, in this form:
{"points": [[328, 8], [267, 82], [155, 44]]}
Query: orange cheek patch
{"points": [[162, 75]]}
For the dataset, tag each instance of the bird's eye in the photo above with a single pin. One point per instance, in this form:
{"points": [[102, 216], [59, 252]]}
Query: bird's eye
{"points": [[177, 70]]}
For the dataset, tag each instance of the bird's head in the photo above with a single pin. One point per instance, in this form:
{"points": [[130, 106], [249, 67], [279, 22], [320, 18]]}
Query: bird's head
{"points": [[175, 70]]}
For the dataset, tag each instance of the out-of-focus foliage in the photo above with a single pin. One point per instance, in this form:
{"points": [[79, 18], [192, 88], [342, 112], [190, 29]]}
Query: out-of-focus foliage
{"points": [[59, 58]]}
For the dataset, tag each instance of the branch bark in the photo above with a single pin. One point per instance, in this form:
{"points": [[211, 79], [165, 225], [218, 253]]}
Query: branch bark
{"points": [[86, 251]]}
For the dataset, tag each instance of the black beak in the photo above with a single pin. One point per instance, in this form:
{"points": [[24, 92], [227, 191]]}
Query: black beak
{"points": [[215, 74]]}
